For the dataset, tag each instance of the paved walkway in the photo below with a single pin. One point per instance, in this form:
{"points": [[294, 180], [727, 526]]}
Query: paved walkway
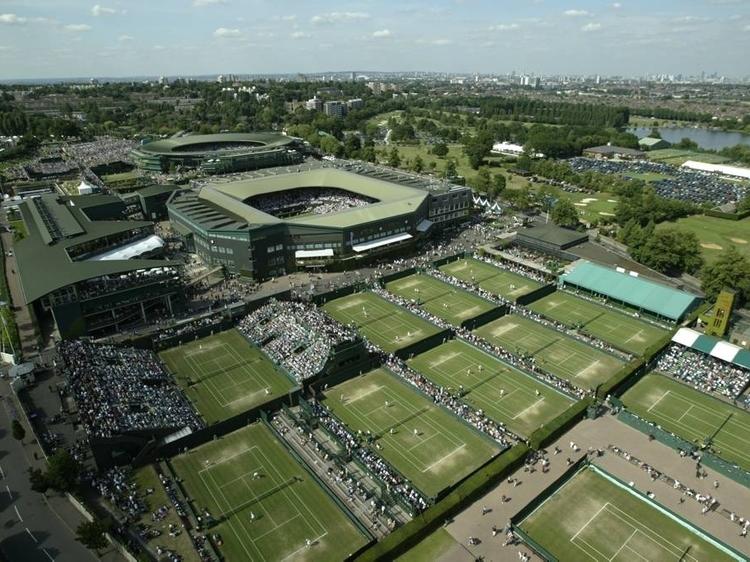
{"points": [[600, 433]]}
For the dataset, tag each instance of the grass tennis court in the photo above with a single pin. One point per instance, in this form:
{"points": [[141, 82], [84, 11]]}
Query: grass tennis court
{"points": [[622, 331], [268, 516], [594, 518], [224, 375], [556, 353], [505, 394], [492, 279], [439, 298], [693, 415], [426, 443], [388, 326]]}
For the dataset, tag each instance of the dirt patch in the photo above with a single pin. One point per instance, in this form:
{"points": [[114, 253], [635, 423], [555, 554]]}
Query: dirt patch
{"points": [[739, 240], [581, 204], [711, 247], [589, 200], [606, 214]]}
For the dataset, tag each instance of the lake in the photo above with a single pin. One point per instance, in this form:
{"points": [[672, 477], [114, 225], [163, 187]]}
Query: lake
{"points": [[706, 138]]}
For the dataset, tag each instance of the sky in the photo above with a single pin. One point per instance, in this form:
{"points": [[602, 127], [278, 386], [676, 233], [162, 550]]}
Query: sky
{"points": [[120, 38]]}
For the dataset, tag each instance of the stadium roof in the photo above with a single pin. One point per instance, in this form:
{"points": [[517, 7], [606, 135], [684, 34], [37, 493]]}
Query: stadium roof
{"points": [[392, 199], [633, 290], [650, 141], [714, 347], [203, 145], [718, 168], [609, 149], [44, 265]]}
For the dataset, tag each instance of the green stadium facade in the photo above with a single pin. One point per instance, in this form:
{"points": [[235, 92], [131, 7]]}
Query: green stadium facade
{"points": [[219, 222], [90, 272], [218, 154]]}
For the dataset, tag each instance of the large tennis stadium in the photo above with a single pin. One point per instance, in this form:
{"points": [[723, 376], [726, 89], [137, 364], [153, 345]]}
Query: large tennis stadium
{"points": [[219, 153], [273, 223]]}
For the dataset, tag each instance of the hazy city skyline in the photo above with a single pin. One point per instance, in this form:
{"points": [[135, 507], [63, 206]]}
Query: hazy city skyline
{"points": [[71, 38]]}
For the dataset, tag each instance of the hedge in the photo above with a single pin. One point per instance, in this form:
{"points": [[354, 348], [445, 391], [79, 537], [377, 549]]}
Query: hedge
{"points": [[728, 216], [619, 377], [470, 490], [551, 431]]}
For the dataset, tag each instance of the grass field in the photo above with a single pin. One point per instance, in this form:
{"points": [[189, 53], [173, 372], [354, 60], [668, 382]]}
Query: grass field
{"points": [[146, 477], [678, 157], [594, 518], [622, 331], [556, 353], [429, 549], [121, 177], [692, 415], [271, 516], [716, 235], [506, 395], [388, 326], [440, 299], [427, 444], [592, 205], [492, 279], [224, 375]]}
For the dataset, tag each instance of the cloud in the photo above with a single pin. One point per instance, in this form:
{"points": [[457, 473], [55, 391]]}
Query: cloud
{"points": [[617, 5], [199, 3], [504, 27], [692, 19], [576, 13], [381, 33], [593, 26], [99, 10], [339, 17], [125, 38], [77, 27], [300, 35], [12, 19], [436, 42], [226, 32], [746, 28], [289, 17]]}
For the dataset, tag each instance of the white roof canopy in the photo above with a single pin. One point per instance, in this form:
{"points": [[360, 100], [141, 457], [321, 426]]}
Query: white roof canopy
{"points": [[718, 168], [381, 242], [132, 250], [686, 337], [324, 253], [725, 351]]}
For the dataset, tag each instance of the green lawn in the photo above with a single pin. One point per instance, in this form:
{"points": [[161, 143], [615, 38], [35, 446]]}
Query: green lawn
{"points": [[439, 298], [225, 375], [385, 324], [430, 548], [20, 229], [592, 518], [693, 415], [678, 157], [716, 235], [146, 477], [271, 516], [427, 444], [495, 280], [619, 329], [592, 205], [584, 366], [505, 394]]}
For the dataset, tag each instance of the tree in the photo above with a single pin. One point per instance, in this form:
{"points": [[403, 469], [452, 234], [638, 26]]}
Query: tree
{"points": [[440, 150], [654, 134], [481, 182], [62, 474], [38, 480], [671, 250], [418, 164], [450, 169], [523, 162], [500, 183], [730, 271], [394, 159], [744, 205], [91, 534], [564, 213], [18, 431]]}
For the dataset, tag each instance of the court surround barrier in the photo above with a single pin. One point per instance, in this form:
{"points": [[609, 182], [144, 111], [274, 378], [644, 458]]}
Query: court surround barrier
{"points": [[470, 490], [551, 431], [450, 259], [536, 294]]}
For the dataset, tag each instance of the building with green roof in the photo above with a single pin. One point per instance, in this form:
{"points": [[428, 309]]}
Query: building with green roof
{"points": [[630, 289], [233, 223], [218, 153], [88, 272]]}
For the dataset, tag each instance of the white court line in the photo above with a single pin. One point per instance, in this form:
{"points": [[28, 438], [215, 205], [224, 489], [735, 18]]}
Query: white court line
{"points": [[227, 459], [440, 460], [316, 539], [685, 413], [638, 554], [589, 521], [17, 513], [528, 408], [2, 472], [659, 400], [360, 396], [623, 545], [48, 554], [32, 536], [9, 492]]}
